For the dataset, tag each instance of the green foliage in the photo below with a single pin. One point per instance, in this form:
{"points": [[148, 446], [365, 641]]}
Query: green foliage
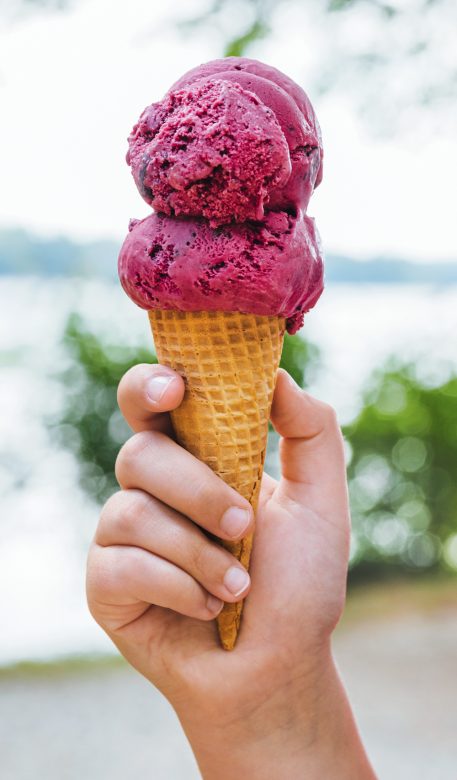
{"points": [[238, 46], [260, 14], [339, 5], [403, 471], [91, 425], [349, 65], [42, 4], [300, 359], [387, 10]]}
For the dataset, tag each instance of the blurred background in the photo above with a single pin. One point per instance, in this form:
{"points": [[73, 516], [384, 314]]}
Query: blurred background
{"points": [[381, 347]]}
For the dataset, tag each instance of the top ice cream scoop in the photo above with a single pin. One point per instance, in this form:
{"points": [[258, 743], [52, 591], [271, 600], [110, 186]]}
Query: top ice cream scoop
{"points": [[209, 149], [230, 139], [304, 133], [229, 160]]}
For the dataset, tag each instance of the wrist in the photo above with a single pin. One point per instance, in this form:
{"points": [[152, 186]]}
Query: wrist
{"points": [[302, 725]]}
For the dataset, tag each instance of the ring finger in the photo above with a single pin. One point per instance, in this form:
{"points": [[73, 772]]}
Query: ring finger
{"points": [[132, 517]]}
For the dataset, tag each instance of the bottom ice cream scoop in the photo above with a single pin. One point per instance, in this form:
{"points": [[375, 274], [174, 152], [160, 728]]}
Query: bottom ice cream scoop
{"points": [[271, 268]]}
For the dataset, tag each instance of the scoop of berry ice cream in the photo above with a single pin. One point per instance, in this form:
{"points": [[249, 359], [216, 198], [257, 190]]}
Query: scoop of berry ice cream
{"points": [[273, 267], [210, 149], [294, 112]]}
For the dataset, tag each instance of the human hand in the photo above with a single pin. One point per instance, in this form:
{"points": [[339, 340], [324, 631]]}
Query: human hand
{"points": [[274, 707]]}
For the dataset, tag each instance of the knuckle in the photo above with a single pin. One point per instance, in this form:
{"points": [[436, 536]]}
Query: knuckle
{"points": [[200, 558], [129, 454], [133, 508], [128, 565], [108, 571], [201, 490], [130, 382], [329, 416], [119, 515], [99, 578], [209, 562], [211, 495], [113, 506], [123, 389], [107, 517]]}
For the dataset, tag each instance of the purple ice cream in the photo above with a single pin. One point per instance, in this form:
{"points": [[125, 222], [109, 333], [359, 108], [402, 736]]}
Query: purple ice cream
{"points": [[229, 158], [273, 267], [284, 97], [210, 149]]}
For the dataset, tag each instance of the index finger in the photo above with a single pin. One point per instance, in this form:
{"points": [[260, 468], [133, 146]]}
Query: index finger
{"points": [[146, 393]]}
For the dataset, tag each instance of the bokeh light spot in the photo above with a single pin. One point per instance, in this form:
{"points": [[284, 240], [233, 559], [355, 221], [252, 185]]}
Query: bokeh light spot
{"points": [[416, 513], [422, 550], [409, 454], [450, 551], [392, 398], [389, 534], [372, 480]]}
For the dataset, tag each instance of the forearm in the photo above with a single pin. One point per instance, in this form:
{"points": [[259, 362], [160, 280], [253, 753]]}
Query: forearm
{"points": [[305, 733]]}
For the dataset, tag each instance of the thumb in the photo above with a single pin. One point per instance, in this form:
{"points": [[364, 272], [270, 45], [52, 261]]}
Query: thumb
{"points": [[311, 447], [301, 538]]}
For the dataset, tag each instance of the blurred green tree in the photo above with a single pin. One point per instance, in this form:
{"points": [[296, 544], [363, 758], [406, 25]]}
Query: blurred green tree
{"points": [[403, 472], [14, 7], [387, 80], [403, 448], [91, 425]]}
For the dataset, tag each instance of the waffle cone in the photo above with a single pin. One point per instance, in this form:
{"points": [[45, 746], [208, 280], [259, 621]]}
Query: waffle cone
{"points": [[229, 362]]}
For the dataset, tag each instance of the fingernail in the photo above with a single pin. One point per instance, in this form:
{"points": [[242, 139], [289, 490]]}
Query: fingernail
{"points": [[236, 580], [235, 521], [214, 605], [157, 385]]}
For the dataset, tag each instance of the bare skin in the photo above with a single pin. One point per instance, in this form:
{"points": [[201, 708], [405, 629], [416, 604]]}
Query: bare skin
{"points": [[273, 708]]}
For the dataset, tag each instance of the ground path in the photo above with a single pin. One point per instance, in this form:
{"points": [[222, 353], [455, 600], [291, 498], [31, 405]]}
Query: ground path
{"points": [[103, 721]]}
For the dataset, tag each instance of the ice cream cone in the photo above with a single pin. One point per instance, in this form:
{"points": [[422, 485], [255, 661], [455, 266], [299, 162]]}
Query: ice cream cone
{"points": [[229, 362]]}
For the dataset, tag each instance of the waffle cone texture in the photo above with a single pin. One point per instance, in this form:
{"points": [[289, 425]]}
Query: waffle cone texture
{"points": [[229, 362]]}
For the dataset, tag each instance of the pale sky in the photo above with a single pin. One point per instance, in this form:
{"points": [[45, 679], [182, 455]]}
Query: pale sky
{"points": [[73, 84]]}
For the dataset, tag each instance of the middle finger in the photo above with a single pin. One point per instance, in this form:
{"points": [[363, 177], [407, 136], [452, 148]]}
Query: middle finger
{"points": [[156, 464]]}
